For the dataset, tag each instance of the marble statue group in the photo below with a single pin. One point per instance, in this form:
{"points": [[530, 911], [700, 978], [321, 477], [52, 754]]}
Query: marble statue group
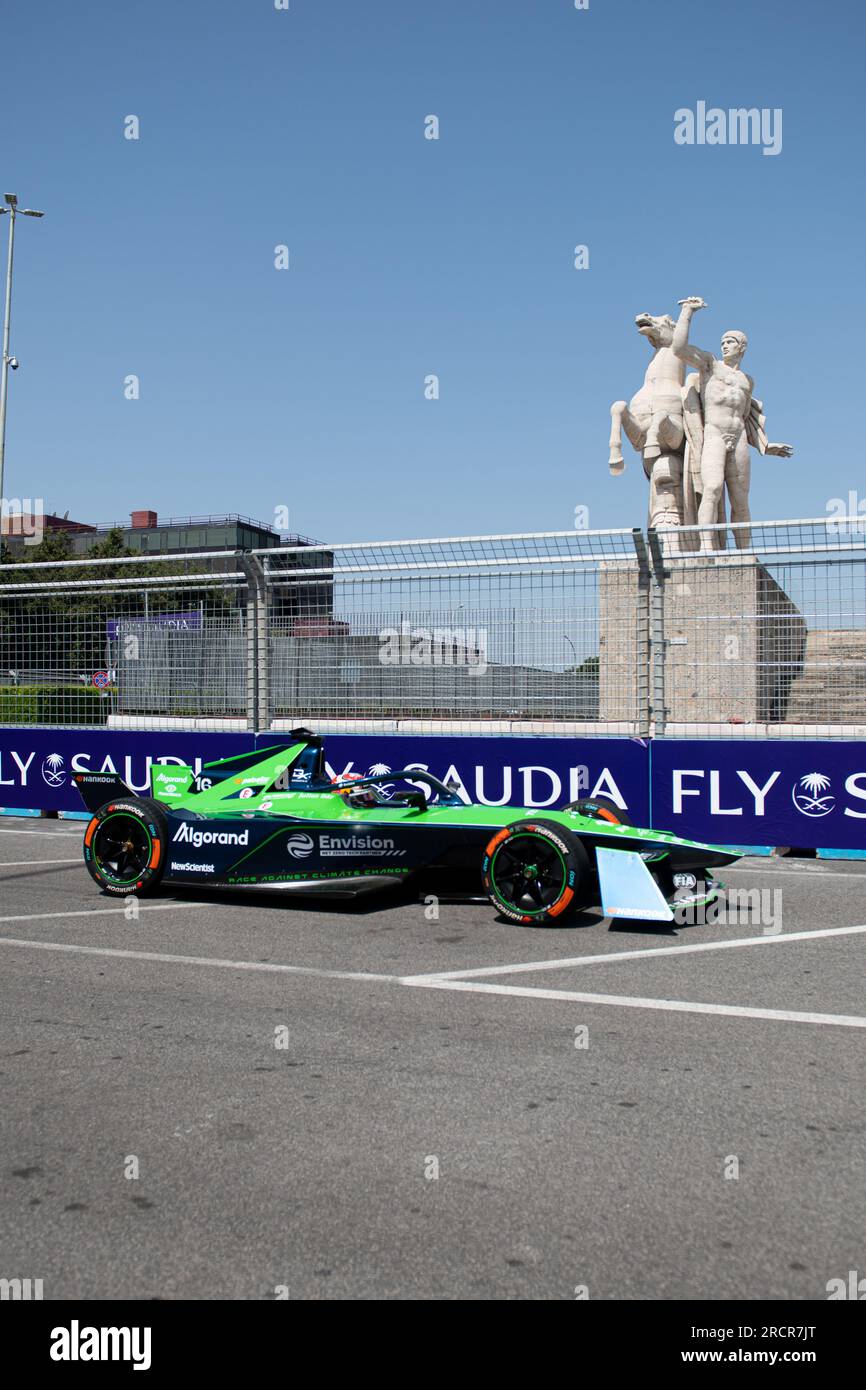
{"points": [[693, 432]]}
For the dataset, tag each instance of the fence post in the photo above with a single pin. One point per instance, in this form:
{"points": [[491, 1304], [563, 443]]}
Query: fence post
{"points": [[658, 644], [258, 699], [643, 634]]}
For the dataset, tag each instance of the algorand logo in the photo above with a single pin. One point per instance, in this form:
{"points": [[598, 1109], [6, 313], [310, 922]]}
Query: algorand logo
{"points": [[811, 795], [186, 835], [299, 846], [53, 771]]}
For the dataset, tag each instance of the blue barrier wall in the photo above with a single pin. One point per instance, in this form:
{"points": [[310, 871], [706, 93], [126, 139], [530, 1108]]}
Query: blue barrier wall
{"points": [[805, 794]]}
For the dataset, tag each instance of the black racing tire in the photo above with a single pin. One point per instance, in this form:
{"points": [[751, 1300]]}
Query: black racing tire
{"points": [[535, 872], [602, 808], [126, 847]]}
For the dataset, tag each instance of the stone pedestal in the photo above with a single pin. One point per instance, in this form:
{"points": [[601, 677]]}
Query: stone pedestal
{"points": [[734, 643]]}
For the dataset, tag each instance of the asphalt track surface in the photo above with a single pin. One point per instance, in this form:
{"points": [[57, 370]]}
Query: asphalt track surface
{"points": [[618, 1115]]}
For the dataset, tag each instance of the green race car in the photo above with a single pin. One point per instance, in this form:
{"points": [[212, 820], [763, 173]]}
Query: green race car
{"points": [[272, 819]]}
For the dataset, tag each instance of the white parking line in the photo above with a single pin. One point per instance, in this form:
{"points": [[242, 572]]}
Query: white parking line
{"points": [[96, 912], [425, 981], [626, 1001], [25, 863], [266, 967], [55, 834], [530, 967]]}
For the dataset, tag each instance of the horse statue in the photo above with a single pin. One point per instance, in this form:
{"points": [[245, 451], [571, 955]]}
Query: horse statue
{"points": [[653, 422]]}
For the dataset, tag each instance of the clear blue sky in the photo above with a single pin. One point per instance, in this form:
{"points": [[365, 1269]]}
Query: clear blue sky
{"points": [[304, 388]]}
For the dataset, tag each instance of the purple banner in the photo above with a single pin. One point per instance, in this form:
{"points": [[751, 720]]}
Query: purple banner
{"points": [[799, 794], [37, 765], [744, 792]]}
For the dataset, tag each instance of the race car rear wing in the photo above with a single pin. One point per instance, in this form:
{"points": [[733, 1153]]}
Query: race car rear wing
{"points": [[95, 788]]}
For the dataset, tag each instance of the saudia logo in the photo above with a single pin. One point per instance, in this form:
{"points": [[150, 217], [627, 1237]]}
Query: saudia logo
{"points": [[811, 795], [186, 835], [53, 771]]}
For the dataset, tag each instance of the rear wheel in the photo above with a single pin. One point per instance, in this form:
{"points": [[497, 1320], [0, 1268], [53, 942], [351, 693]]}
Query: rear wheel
{"points": [[535, 872], [125, 847]]}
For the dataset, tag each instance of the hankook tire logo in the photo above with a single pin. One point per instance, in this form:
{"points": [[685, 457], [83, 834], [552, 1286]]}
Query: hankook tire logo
{"points": [[300, 846]]}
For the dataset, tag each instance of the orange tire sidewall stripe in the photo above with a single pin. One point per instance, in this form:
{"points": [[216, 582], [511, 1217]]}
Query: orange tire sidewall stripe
{"points": [[562, 904], [497, 840]]}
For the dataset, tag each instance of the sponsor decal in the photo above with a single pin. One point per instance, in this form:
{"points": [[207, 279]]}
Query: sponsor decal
{"points": [[246, 791], [300, 846], [185, 834], [685, 881], [333, 846], [192, 868], [812, 796], [300, 774], [53, 771]]}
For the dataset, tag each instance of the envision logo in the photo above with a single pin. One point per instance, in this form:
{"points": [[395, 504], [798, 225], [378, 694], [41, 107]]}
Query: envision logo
{"points": [[332, 846], [76, 1343], [299, 846], [20, 1290], [186, 835]]}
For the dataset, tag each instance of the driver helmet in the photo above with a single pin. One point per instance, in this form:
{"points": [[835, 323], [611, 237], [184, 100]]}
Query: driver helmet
{"points": [[357, 797]]}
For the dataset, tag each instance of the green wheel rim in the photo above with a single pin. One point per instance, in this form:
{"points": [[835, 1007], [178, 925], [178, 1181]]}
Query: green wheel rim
{"points": [[529, 879], [122, 856]]}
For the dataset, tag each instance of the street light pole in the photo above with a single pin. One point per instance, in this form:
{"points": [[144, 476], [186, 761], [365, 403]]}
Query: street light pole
{"points": [[13, 210]]}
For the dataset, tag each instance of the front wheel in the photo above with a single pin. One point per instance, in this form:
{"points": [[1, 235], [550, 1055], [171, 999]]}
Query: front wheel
{"points": [[125, 847], [535, 872]]}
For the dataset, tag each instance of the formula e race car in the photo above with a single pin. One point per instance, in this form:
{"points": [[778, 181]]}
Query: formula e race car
{"points": [[272, 819]]}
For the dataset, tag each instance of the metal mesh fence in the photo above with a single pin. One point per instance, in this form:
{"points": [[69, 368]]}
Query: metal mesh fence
{"points": [[485, 632], [562, 632], [105, 641], [766, 636]]}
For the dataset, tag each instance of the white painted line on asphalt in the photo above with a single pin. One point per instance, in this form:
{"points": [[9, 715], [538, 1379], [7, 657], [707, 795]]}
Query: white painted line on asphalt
{"points": [[98, 912], [55, 834], [803, 873], [440, 983], [265, 967], [25, 863], [626, 1001], [530, 967]]}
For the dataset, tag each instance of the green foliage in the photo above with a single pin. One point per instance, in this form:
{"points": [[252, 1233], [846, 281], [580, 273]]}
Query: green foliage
{"points": [[63, 629], [53, 704]]}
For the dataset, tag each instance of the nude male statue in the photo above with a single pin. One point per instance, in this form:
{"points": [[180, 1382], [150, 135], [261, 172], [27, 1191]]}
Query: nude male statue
{"points": [[721, 429]]}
